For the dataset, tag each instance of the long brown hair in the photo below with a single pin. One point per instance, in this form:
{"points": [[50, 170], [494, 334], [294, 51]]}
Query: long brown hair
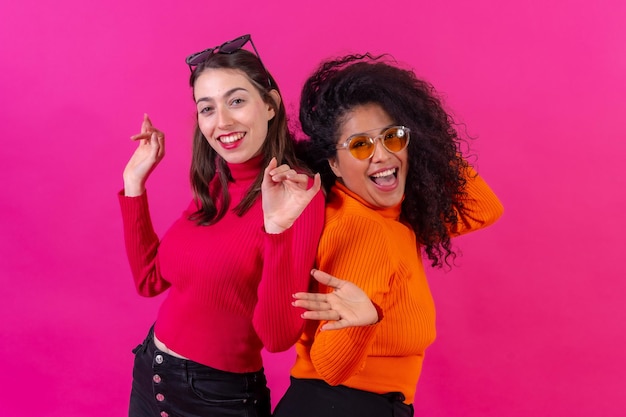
{"points": [[213, 199]]}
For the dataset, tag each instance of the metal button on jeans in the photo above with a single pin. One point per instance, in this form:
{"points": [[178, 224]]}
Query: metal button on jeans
{"points": [[159, 359], [156, 378]]}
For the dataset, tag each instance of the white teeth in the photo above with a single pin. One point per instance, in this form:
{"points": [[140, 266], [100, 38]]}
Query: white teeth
{"points": [[384, 173], [231, 138]]}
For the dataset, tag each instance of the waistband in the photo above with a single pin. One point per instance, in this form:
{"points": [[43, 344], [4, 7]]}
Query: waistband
{"points": [[395, 398]]}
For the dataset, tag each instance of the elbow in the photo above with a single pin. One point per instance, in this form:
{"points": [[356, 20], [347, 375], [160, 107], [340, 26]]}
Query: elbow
{"points": [[286, 341], [146, 288], [488, 215], [276, 346], [278, 337], [497, 210], [336, 371], [333, 380], [333, 377], [143, 289], [144, 292]]}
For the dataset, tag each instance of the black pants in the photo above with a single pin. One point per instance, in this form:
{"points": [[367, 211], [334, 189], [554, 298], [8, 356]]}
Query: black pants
{"points": [[315, 398], [167, 386]]}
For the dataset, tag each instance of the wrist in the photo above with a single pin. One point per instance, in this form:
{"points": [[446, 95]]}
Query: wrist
{"points": [[132, 189], [274, 228]]}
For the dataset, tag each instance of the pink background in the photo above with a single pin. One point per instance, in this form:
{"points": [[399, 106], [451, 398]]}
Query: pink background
{"points": [[530, 324]]}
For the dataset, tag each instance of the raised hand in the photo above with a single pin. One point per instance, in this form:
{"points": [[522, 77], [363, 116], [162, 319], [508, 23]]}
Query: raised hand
{"points": [[346, 306], [285, 195], [149, 153]]}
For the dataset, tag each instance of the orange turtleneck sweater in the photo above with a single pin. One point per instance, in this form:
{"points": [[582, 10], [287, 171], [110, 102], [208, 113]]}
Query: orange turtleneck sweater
{"points": [[371, 247]]}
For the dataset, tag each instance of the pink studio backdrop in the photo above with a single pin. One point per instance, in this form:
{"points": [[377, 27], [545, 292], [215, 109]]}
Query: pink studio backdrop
{"points": [[530, 324]]}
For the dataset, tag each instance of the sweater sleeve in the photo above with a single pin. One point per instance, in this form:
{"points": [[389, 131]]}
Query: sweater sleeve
{"points": [[141, 245], [481, 206], [288, 259], [355, 249]]}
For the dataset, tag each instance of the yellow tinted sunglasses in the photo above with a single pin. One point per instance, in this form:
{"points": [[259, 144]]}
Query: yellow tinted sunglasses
{"points": [[394, 139]]}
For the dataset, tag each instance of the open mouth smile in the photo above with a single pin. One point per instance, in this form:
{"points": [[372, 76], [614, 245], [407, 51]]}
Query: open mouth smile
{"points": [[233, 137], [386, 177]]}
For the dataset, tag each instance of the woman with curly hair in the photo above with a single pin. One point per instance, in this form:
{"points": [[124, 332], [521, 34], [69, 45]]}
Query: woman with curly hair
{"points": [[397, 185]]}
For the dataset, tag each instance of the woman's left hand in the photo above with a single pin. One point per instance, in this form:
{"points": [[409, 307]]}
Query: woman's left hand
{"points": [[285, 195]]}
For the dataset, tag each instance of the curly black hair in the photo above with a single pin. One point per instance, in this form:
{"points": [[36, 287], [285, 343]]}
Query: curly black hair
{"points": [[436, 174]]}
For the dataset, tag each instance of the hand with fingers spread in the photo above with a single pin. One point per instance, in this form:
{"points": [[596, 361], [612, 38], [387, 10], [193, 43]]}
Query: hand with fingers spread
{"points": [[285, 195], [346, 306], [149, 153]]}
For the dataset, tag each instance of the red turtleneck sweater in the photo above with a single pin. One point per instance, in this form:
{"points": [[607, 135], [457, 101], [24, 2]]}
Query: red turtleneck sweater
{"points": [[230, 284]]}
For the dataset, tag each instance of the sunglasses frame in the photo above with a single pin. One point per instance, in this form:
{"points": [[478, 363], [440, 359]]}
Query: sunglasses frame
{"points": [[372, 140], [225, 49]]}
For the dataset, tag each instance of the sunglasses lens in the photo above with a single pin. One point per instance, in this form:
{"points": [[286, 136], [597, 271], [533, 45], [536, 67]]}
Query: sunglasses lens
{"points": [[200, 57], [361, 147], [226, 48], [234, 45], [395, 139]]}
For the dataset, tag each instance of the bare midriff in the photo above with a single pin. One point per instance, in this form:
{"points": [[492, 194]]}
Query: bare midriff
{"points": [[163, 348]]}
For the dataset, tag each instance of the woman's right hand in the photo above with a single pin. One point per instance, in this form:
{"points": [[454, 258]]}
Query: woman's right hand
{"points": [[346, 306], [149, 152]]}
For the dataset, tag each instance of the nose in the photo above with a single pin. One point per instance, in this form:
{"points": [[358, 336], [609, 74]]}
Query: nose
{"points": [[224, 118], [380, 153]]}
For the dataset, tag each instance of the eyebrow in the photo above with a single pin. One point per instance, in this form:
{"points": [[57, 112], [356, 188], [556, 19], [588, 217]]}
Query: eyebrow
{"points": [[227, 94]]}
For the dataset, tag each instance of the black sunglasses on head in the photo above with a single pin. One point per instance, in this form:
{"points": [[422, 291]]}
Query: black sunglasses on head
{"points": [[227, 47]]}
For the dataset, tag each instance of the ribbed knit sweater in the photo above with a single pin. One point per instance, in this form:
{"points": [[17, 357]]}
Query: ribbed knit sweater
{"points": [[230, 284], [371, 247]]}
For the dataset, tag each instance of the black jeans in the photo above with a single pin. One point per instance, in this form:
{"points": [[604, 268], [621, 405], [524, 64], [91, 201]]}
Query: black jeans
{"points": [[315, 398], [167, 386]]}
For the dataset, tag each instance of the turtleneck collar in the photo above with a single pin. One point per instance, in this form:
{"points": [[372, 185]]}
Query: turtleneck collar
{"points": [[246, 171], [387, 212]]}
